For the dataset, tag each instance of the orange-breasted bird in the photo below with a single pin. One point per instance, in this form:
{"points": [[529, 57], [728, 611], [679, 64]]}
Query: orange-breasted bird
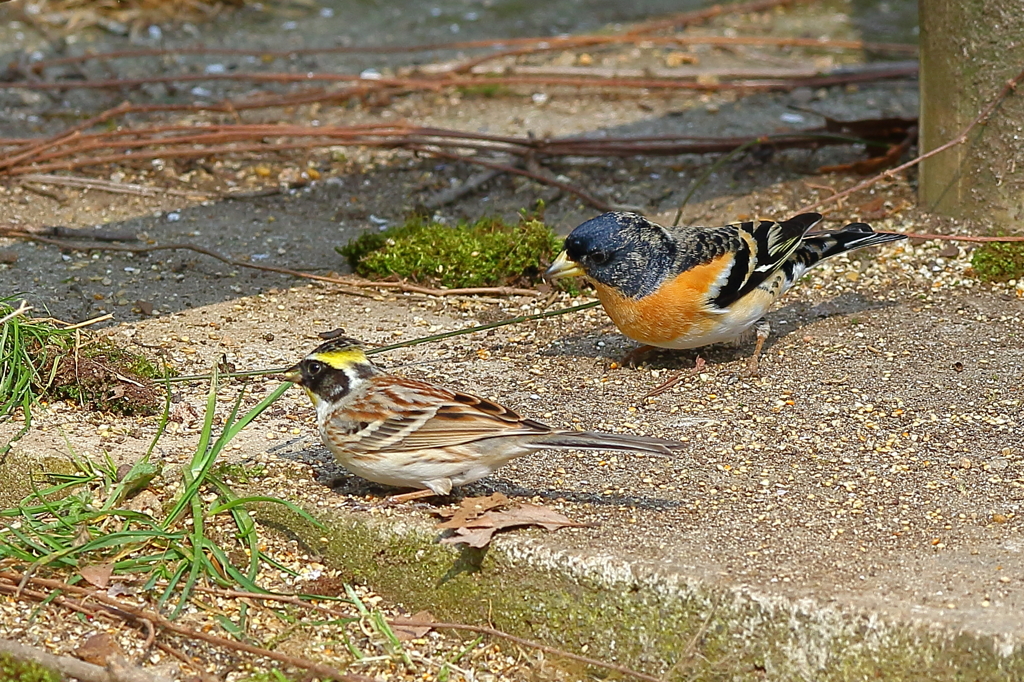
{"points": [[686, 287]]}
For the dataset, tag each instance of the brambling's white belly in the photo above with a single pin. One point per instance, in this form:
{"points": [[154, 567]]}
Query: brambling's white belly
{"points": [[677, 323], [727, 327]]}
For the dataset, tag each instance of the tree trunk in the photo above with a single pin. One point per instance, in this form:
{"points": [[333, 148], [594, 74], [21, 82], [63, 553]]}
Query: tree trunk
{"points": [[969, 49]]}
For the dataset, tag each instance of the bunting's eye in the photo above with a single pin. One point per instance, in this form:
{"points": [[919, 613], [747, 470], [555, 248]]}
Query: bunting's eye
{"points": [[314, 367], [600, 256]]}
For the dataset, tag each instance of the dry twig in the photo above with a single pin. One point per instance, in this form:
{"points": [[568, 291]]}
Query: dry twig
{"points": [[116, 671], [572, 189], [355, 286], [106, 185]]}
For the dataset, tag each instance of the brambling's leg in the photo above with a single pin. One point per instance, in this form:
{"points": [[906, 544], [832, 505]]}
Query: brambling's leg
{"points": [[440, 487], [409, 497], [631, 357], [763, 330]]}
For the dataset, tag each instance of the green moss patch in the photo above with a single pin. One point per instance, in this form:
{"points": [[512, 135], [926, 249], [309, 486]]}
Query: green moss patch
{"points": [[25, 671], [999, 261], [486, 90], [488, 252]]}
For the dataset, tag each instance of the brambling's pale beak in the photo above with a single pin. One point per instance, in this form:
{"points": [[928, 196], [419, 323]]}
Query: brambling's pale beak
{"points": [[563, 267], [293, 374]]}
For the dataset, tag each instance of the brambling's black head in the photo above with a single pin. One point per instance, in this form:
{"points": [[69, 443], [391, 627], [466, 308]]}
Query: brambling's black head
{"points": [[624, 251], [332, 370]]}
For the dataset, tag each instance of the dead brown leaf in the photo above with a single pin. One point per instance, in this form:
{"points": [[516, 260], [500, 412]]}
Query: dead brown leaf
{"points": [[875, 163], [471, 508], [99, 649], [477, 520], [871, 209], [97, 575], [407, 628]]}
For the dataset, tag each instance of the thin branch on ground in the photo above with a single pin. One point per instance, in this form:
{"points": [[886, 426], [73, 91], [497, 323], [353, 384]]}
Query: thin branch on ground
{"points": [[748, 74], [100, 234], [106, 185], [405, 344], [1009, 87], [442, 81], [680, 40], [354, 286], [429, 291], [467, 186], [572, 189], [78, 669]]}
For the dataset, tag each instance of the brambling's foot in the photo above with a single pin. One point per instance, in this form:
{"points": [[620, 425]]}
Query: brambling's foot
{"points": [[630, 358], [763, 330]]}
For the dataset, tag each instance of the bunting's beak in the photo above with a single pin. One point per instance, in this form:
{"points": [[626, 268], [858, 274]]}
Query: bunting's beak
{"points": [[563, 267], [294, 375]]}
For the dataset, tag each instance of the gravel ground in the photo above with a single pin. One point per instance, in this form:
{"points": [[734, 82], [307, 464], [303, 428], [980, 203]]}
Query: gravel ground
{"points": [[876, 463]]}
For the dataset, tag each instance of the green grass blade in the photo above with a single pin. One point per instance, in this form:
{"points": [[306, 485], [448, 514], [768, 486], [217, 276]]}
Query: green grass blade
{"points": [[204, 438], [256, 411], [264, 498], [172, 583]]}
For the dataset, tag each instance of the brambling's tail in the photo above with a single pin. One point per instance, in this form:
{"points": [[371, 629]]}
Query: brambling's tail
{"points": [[597, 440], [817, 246]]}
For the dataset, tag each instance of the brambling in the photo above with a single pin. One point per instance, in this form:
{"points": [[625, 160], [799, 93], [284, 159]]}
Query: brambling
{"points": [[685, 287], [410, 434]]}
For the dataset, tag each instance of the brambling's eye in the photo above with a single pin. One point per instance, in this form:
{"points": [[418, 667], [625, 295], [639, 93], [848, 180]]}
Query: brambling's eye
{"points": [[315, 367], [600, 257]]}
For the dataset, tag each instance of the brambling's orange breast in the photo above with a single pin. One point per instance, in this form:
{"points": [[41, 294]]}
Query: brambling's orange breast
{"points": [[676, 311]]}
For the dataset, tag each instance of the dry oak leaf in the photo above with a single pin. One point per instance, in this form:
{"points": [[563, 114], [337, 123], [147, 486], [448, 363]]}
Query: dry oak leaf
{"points": [[97, 575], [471, 508], [407, 628], [99, 649], [478, 530]]}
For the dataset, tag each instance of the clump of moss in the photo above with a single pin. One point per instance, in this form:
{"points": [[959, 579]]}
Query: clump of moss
{"points": [[25, 671], [485, 90], [999, 261], [488, 252]]}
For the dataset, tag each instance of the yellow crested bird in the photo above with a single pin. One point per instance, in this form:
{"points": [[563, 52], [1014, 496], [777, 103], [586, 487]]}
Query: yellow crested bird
{"points": [[411, 434]]}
